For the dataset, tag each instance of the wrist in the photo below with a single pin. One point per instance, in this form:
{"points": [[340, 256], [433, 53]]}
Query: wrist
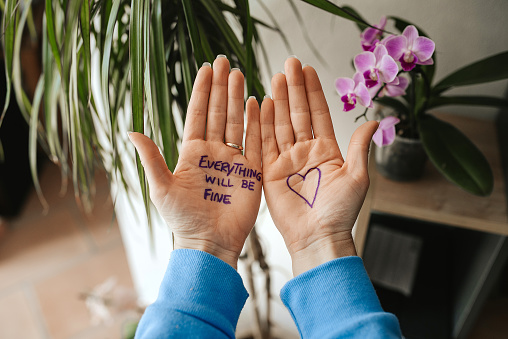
{"points": [[228, 256], [321, 251]]}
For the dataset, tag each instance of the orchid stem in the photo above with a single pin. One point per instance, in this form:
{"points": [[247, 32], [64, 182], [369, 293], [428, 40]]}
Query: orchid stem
{"points": [[364, 115]]}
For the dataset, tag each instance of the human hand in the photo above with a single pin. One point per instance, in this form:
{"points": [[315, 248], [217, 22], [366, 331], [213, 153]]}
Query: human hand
{"points": [[313, 195], [212, 199]]}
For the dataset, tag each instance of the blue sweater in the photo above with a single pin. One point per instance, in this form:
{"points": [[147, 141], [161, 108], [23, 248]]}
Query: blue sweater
{"points": [[202, 297]]}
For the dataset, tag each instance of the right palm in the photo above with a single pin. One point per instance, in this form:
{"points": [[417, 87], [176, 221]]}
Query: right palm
{"points": [[299, 141]]}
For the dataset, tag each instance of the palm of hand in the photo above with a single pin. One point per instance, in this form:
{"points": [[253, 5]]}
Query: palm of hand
{"points": [[335, 196], [312, 194], [212, 199], [206, 199]]}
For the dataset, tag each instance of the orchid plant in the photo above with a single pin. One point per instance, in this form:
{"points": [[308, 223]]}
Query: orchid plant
{"points": [[397, 71]]}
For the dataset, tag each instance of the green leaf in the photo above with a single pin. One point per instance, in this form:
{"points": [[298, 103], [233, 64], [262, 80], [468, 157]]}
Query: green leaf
{"points": [[85, 34], [489, 69], [160, 89], [249, 51], [186, 63], [222, 24], [106, 58], [137, 64], [8, 24], [332, 8], [51, 88], [70, 34], [204, 44], [467, 100], [421, 94], [351, 10], [23, 102], [455, 156], [193, 29], [32, 146]]}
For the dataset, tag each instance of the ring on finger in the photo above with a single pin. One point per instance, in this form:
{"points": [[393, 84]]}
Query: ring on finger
{"points": [[235, 146]]}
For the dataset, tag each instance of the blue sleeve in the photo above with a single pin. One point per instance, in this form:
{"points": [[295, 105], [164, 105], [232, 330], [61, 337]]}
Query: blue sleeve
{"points": [[337, 300], [200, 297]]}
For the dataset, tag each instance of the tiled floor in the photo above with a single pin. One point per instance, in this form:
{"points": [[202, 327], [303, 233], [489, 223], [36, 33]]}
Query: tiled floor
{"points": [[50, 263]]}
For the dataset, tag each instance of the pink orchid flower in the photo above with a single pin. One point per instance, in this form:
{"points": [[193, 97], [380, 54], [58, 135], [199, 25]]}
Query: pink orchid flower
{"points": [[371, 36], [353, 90], [410, 49], [376, 66], [392, 89], [385, 134]]}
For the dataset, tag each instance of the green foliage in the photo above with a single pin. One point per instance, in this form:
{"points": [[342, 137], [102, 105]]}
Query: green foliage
{"points": [[455, 156], [489, 69], [149, 49]]}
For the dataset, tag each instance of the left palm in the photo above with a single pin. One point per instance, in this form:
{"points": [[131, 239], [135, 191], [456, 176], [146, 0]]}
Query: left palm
{"points": [[212, 198]]}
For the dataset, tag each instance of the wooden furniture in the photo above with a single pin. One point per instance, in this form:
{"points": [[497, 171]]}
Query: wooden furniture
{"points": [[434, 199], [475, 259]]}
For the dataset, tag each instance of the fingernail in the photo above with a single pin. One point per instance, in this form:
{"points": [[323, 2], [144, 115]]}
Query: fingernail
{"points": [[252, 97], [267, 96], [221, 56], [235, 69], [207, 64], [129, 134], [292, 56], [305, 65], [280, 73]]}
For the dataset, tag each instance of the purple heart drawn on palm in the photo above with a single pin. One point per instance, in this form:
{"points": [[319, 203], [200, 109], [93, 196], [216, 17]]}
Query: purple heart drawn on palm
{"points": [[311, 204]]}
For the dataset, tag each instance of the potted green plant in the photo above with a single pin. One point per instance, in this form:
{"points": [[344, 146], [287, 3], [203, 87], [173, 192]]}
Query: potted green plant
{"points": [[397, 71]]}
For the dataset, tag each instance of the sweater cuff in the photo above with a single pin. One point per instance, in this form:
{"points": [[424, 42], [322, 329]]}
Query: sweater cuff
{"points": [[201, 284], [341, 287]]}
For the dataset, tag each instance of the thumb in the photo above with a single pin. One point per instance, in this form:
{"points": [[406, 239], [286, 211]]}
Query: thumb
{"points": [[358, 151], [157, 171]]}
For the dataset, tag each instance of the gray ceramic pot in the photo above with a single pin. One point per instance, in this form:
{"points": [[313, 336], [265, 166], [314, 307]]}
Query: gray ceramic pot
{"points": [[404, 160]]}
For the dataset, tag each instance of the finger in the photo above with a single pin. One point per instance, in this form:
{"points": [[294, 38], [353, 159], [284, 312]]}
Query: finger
{"points": [[298, 105], [157, 171], [234, 124], [283, 128], [253, 134], [195, 122], [268, 140], [217, 106], [357, 158], [319, 113]]}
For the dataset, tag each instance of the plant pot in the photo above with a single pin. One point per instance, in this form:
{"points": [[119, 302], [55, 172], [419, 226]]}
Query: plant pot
{"points": [[403, 160]]}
